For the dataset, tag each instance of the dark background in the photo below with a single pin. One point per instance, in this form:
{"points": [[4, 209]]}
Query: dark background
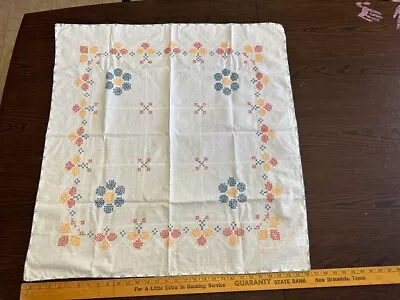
{"points": [[346, 84]]}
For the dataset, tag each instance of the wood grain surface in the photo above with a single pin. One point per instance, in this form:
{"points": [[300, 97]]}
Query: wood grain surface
{"points": [[345, 75]]}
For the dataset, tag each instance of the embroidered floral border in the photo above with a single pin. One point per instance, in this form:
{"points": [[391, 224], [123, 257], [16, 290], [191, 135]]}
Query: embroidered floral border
{"points": [[110, 195]]}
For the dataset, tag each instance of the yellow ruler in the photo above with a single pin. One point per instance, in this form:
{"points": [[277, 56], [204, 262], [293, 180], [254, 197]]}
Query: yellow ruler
{"points": [[151, 286]]}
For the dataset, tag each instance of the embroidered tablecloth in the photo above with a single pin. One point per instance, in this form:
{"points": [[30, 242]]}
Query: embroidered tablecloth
{"points": [[171, 149]]}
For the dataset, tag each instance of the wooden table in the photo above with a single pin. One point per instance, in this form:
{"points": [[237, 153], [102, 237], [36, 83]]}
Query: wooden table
{"points": [[346, 83]]}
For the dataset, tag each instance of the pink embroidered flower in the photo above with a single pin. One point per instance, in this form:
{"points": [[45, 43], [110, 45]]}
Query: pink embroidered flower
{"points": [[202, 240], [105, 239], [84, 81], [79, 136], [270, 192], [70, 197], [265, 133], [224, 50], [172, 49], [169, 235], [233, 233], [260, 80], [118, 50], [138, 244]]}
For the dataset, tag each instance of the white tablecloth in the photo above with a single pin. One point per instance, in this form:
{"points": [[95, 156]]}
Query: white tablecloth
{"points": [[171, 149]]}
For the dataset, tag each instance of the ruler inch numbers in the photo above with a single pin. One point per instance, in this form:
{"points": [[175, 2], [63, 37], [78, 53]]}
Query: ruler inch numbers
{"points": [[196, 284]]}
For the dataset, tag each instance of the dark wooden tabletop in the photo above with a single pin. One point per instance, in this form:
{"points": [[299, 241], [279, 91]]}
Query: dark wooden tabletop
{"points": [[345, 75]]}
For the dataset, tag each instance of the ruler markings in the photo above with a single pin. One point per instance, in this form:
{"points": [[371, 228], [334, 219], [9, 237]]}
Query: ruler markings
{"points": [[193, 284]]}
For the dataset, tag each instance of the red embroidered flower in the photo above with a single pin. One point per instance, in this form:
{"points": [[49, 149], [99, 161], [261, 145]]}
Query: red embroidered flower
{"points": [[233, 234], [111, 236], [260, 81], [99, 237], [118, 50], [258, 48], [239, 231], [164, 233], [268, 185], [63, 240], [175, 233], [78, 136], [271, 192], [172, 49], [273, 161], [170, 235], [105, 239], [72, 191], [275, 234], [71, 203], [201, 240], [83, 81], [69, 165], [83, 49], [265, 133], [227, 231], [224, 50], [138, 244]]}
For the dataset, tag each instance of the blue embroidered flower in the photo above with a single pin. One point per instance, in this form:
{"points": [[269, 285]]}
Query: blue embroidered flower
{"points": [[110, 196], [226, 81], [232, 192], [118, 81]]}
